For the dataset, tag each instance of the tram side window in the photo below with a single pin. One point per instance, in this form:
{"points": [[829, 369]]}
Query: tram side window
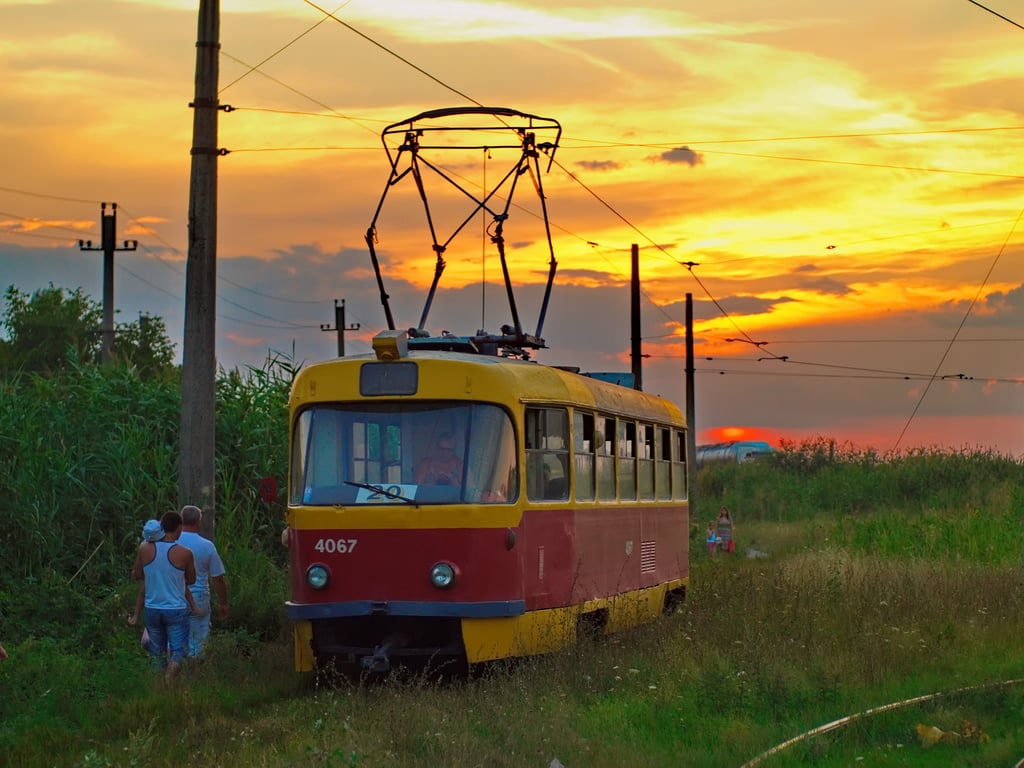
{"points": [[626, 456], [491, 457], [679, 490], [547, 454], [605, 440], [663, 464], [300, 451], [317, 451], [583, 455], [645, 461]]}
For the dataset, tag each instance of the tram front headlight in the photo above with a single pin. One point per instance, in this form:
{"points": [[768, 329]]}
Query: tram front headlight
{"points": [[442, 575], [317, 576]]}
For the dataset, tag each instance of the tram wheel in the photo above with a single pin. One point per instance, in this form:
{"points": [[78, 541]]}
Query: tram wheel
{"points": [[674, 600]]}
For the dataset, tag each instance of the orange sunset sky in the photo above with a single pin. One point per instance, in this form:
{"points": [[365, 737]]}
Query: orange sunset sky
{"points": [[844, 181]]}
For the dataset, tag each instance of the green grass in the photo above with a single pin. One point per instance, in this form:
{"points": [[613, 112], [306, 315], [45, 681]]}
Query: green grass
{"points": [[763, 651], [883, 579]]}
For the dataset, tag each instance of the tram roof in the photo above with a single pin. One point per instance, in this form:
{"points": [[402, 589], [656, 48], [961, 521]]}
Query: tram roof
{"points": [[528, 382]]}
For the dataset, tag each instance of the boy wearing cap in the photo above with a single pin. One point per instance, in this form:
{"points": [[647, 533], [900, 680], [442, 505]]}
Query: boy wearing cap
{"points": [[166, 570], [152, 531]]}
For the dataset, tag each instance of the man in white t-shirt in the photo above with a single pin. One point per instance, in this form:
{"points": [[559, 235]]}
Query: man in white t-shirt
{"points": [[209, 574]]}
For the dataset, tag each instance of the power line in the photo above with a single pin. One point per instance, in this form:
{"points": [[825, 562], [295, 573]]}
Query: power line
{"points": [[156, 236], [79, 233], [865, 165], [390, 52], [283, 48], [960, 327], [875, 341], [38, 235], [688, 265], [299, 93], [981, 380], [1004, 18], [603, 143], [49, 197]]}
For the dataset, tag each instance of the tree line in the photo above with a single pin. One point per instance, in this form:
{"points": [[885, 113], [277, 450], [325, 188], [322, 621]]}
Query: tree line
{"points": [[54, 328]]}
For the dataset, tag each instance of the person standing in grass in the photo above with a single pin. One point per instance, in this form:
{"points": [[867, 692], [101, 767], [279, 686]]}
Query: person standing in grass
{"points": [[167, 569], [152, 531], [711, 539], [724, 530], [209, 573]]}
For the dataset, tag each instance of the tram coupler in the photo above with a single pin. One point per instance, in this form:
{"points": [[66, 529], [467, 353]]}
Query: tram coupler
{"points": [[380, 659]]}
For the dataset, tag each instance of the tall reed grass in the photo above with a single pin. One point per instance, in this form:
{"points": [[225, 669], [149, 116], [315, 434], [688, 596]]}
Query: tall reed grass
{"points": [[872, 579], [87, 455]]}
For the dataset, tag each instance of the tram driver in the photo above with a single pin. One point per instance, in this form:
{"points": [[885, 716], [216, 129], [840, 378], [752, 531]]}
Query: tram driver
{"points": [[443, 466]]}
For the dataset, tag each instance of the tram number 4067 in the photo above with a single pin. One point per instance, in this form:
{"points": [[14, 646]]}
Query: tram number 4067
{"points": [[335, 546]]}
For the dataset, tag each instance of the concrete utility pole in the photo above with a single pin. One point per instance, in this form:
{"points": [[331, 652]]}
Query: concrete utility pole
{"points": [[196, 474], [634, 319], [108, 230], [691, 407], [339, 326]]}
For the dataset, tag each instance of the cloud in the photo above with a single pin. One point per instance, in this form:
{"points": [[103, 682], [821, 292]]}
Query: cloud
{"points": [[1011, 301], [682, 155], [599, 165], [752, 305], [826, 285], [518, 20], [589, 276], [246, 341]]}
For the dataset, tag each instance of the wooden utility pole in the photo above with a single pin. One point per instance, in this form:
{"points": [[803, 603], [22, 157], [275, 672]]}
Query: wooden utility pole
{"points": [[339, 326], [108, 234], [199, 365]]}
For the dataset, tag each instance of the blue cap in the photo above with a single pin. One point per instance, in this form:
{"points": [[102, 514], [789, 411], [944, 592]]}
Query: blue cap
{"points": [[152, 531]]}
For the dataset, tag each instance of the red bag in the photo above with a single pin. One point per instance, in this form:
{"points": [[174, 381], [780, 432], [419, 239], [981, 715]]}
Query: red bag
{"points": [[731, 545]]}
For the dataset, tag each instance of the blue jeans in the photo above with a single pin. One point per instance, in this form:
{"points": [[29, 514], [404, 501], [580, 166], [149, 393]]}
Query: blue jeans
{"points": [[199, 624], [168, 631]]}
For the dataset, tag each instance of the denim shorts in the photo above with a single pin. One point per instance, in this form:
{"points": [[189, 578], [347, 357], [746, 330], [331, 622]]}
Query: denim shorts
{"points": [[168, 632]]}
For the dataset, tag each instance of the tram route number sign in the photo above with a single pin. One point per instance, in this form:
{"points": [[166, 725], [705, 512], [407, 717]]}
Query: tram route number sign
{"points": [[367, 496]]}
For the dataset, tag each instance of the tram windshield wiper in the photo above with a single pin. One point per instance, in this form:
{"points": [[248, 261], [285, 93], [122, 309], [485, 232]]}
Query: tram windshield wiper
{"points": [[381, 490]]}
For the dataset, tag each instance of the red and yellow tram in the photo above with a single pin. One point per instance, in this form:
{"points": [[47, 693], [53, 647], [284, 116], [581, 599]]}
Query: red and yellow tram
{"points": [[450, 505]]}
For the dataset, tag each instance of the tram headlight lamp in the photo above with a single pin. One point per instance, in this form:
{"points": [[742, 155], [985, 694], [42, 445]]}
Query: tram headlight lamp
{"points": [[442, 575], [317, 576]]}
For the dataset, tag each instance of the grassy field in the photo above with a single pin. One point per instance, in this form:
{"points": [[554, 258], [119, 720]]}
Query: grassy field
{"points": [[874, 581], [834, 619]]}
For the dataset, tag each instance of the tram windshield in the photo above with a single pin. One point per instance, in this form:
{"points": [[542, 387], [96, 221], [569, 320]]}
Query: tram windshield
{"points": [[401, 453]]}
